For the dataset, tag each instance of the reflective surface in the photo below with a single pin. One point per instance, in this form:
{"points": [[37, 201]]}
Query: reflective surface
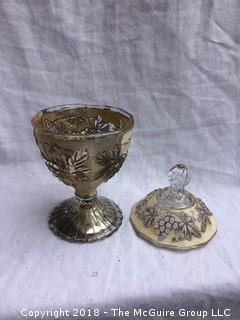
{"points": [[84, 221], [84, 146]]}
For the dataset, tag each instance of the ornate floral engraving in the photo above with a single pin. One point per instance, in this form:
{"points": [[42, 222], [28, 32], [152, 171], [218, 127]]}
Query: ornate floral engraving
{"points": [[67, 168], [110, 161], [204, 214], [80, 125]]}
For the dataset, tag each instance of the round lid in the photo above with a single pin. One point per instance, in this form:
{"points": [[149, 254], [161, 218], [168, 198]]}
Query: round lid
{"points": [[173, 217]]}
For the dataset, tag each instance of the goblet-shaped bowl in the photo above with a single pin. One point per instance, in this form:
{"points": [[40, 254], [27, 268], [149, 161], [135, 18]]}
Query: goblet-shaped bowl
{"points": [[84, 146]]}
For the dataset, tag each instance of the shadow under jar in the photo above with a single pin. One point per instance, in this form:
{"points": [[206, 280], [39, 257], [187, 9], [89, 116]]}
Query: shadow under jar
{"points": [[84, 146]]}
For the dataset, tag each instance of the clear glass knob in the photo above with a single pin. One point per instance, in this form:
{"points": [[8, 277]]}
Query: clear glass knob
{"points": [[175, 196], [178, 176]]}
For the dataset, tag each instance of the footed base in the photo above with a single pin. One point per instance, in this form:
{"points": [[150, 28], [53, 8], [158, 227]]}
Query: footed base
{"points": [[80, 220]]}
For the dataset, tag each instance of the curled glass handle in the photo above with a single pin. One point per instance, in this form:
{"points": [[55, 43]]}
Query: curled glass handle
{"points": [[178, 176]]}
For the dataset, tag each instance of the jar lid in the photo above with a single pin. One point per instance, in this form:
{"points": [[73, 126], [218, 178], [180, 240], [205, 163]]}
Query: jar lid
{"points": [[172, 217]]}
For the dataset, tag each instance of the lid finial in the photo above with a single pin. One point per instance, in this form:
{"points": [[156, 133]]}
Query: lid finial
{"points": [[178, 176]]}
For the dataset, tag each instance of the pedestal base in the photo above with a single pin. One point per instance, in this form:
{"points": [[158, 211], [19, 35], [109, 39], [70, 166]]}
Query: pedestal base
{"points": [[79, 220]]}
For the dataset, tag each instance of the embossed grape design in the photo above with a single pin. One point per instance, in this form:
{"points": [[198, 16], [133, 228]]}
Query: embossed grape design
{"points": [[164, 223]]}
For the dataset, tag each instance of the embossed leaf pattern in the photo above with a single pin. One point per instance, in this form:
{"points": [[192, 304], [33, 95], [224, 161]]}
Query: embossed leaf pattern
{"points": [[77, 165], [110, 161], [204, 214], [68, 168], [58, 168], [50, 125], [187, 227], [54, 127], [147, 216], [103, 126]]}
